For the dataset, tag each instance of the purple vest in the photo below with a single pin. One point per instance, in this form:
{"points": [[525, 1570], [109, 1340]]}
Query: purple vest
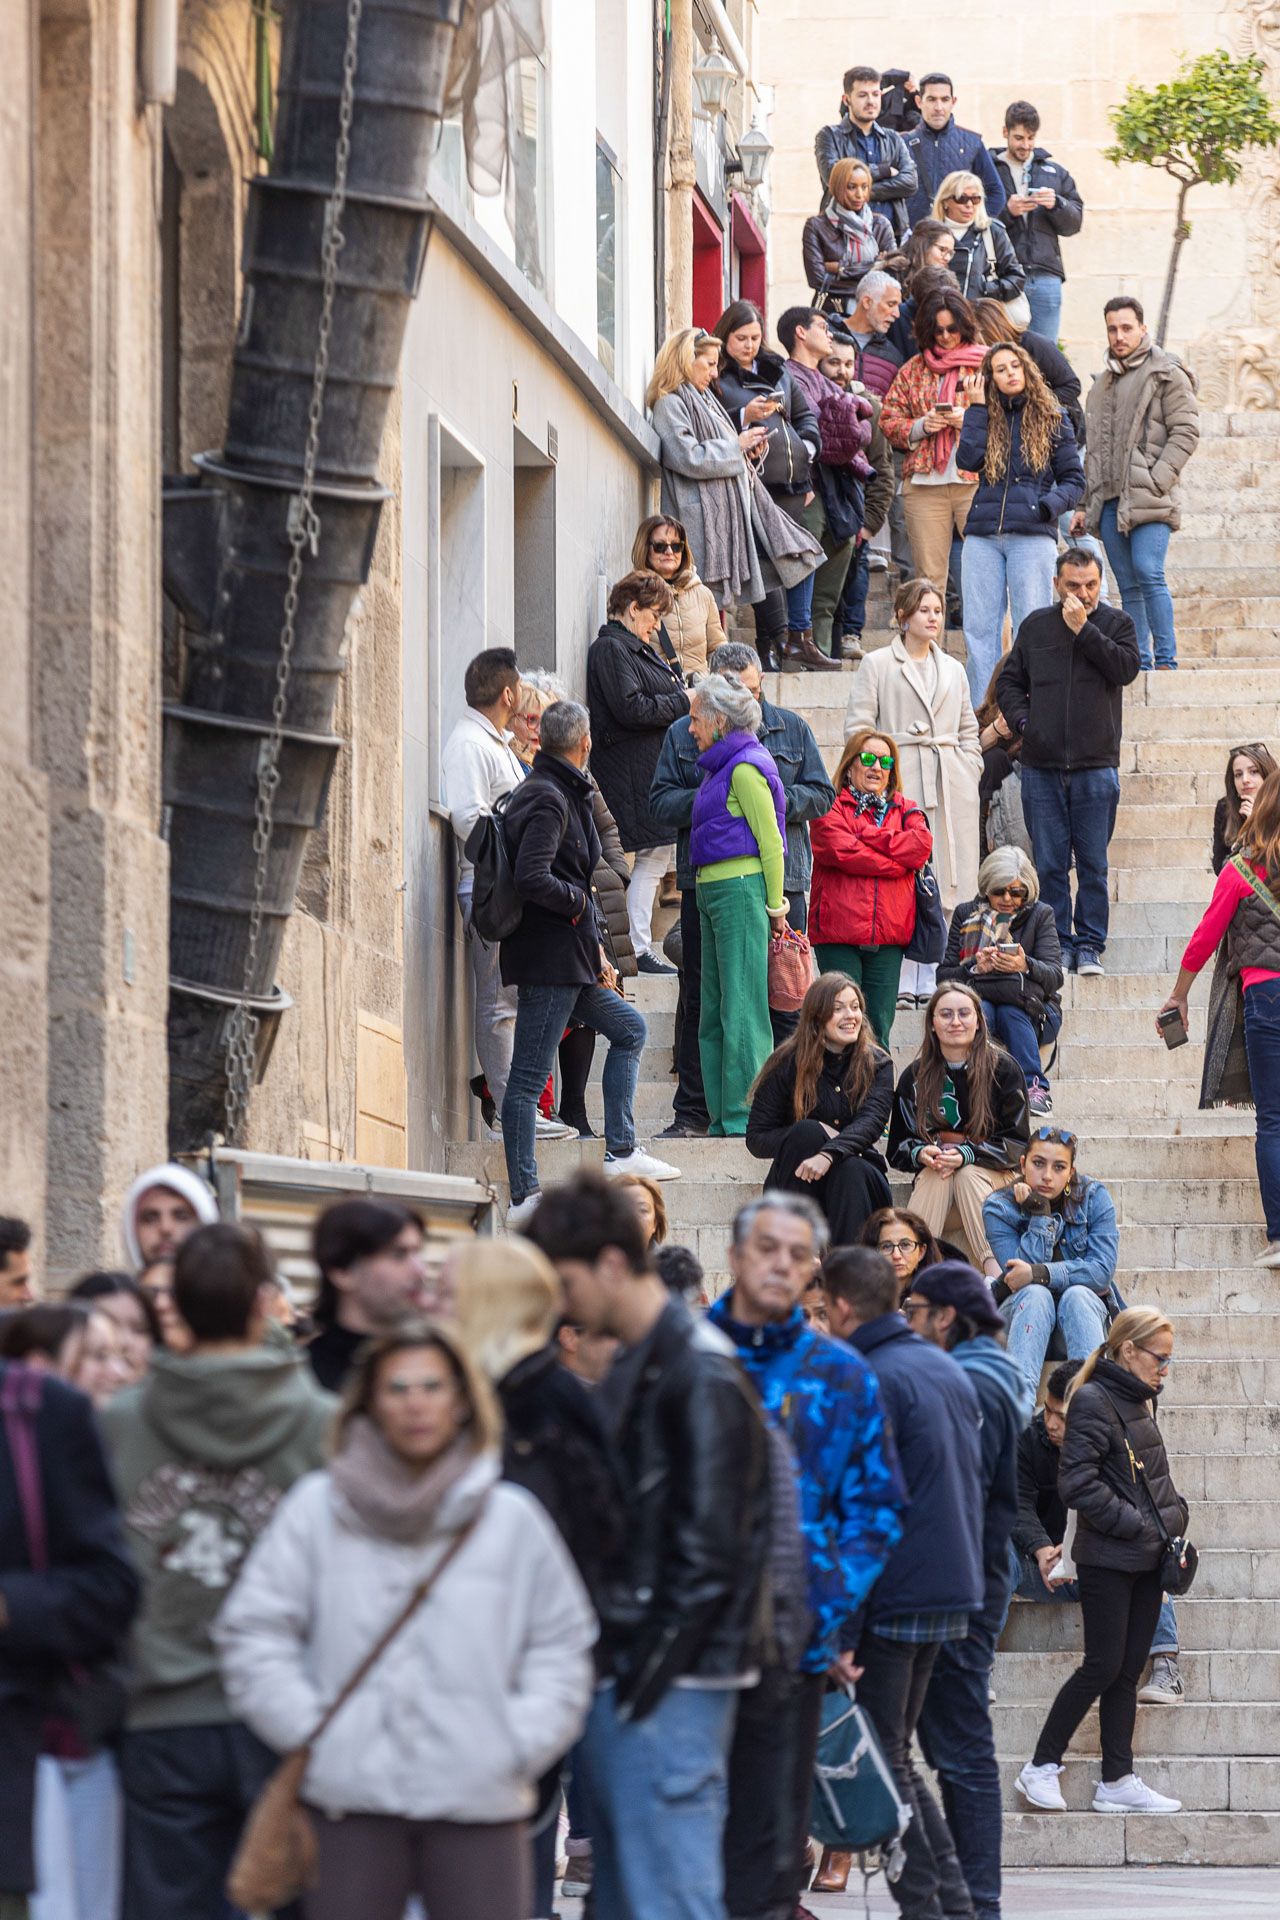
{"points": [[716, 833]]}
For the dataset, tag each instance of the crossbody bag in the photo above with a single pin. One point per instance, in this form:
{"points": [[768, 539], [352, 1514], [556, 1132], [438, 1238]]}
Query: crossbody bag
{"points": [[1178, 1559]]}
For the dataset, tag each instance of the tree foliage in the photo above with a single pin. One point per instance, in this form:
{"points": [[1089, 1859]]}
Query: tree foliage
{"points": [[1196, 125]]}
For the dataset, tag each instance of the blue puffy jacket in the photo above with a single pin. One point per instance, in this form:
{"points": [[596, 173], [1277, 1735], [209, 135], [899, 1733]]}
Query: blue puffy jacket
{"points": [[1078, 1247], [1024, 501], [852, 1496], [953, 150]]}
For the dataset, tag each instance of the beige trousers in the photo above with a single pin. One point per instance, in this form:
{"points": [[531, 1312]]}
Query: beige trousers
{"points": [[958, 1200], [932, 515]]}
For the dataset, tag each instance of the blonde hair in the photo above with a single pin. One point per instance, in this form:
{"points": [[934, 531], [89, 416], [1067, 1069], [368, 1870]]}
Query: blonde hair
{"points": [[484, 1418], [950, 187], [674, 363], [507, 1300], [1138, 1324]]}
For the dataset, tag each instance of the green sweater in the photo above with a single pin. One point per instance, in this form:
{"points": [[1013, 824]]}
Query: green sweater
{"points": [[202, 1452], [751, 800]]}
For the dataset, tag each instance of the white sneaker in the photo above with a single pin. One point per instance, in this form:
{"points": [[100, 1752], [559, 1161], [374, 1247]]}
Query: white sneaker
{"points": [[545, 1129], [1270, 1255], [523, 1211], [1132, 1795], [491, 1130], [1039, 1787], [1164, 1688], [638, 1162]]}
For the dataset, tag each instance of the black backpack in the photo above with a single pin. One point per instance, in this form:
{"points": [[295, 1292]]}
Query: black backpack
{"points": [[496, 907]]}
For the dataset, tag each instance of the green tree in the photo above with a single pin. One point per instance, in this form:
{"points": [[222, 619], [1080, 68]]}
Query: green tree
{"points": [[1195, 127]]}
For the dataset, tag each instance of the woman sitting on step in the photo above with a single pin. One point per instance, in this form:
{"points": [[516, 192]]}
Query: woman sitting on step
{"points": [[960, 1119], [906, 1243], [1112, 1443], [1055, 1235], [821, 1104]]}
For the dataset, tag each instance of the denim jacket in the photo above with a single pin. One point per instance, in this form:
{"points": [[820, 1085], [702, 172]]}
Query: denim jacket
{"points": [[1076, 1248], [805, 781]]}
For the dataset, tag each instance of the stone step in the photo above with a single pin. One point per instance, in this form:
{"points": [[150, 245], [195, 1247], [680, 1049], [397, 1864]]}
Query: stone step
{"points": [[1203, 1623], [1163, 845], [1213, 1336], [1033, 1678], [1215, 566], [1202, 754], [1242, 1293], [1222, 1430], [1174, 693], [1190, 1838], [1228, 720], [1195, 1728]]}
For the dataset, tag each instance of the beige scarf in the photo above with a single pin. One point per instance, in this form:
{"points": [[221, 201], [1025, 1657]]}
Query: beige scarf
{"points": [[386, 1495]]}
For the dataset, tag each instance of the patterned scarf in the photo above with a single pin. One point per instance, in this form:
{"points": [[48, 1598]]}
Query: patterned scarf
{"points": [[876, 804], [949, 363], [856, 234]]}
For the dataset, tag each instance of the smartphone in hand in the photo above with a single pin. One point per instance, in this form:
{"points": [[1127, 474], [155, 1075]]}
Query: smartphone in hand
{"points": [[1172, 1030]]}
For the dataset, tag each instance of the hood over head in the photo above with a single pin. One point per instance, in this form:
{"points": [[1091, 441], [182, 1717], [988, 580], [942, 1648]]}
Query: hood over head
{"points": [[179, 1180]]}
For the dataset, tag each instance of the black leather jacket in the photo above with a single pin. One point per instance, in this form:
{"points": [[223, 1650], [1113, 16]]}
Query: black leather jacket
{"points": [[682, 1598]]}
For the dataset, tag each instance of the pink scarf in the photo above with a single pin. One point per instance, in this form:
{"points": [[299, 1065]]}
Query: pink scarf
{"points": [[949, 364]]}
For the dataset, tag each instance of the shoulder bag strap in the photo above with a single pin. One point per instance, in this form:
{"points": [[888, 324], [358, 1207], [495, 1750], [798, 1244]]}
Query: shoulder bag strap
{"points": [[1139, 1472], [1256, 886], [401, 1621], [20, 1403]]}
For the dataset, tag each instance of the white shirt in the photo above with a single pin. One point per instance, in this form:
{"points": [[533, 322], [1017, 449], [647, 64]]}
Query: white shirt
{"points": [[479, 769]]}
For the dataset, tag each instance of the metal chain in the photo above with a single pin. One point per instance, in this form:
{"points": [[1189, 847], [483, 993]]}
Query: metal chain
{"points": [[304, 532]]}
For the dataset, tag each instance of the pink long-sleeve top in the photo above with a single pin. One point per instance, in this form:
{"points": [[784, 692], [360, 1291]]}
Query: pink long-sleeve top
{"points": [[1227, 895]]}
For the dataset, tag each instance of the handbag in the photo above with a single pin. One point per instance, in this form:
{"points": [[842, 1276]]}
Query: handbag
{"points": [[1179, 1560], [928, 940], [1019, 308], [276, 1857], [856, 1805], [92, 1696], [790, 969]]}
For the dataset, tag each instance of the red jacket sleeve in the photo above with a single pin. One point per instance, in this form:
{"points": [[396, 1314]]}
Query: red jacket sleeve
{"points": [[855, 844], [1230, 890]]}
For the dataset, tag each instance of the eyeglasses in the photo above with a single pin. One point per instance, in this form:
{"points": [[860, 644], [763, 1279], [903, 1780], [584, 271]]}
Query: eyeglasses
{"points": [[910, 1308], [1163, 1360], [1058, 1136], [884, 760], [898, 1246], [954, 1015], [1008, 893], [666, 546], [966, 199]]}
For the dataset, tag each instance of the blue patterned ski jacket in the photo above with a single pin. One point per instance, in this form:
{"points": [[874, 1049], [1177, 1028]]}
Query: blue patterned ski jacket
{"points": [[852, 1496]]}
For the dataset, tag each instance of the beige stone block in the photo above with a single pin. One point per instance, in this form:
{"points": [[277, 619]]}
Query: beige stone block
{"points": [[380, 1145], [380, 1076]]}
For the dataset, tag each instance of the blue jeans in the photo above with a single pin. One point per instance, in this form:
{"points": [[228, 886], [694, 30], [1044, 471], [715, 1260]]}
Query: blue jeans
{"points": [[1032, 1313], [1137, 561], [800, 605], [1073, 815], [657, 1790], [1044, 297], [1014, 1028], [1029, 1586], [851, 614], [1262, 1044], [958, 1741], [542, 1014], [995, 567]]}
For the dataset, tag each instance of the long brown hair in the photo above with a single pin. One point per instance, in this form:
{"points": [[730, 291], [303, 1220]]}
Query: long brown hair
{"points": [[1264, 760], [918, 1228], [807, 1047], [1041, 417], [931, 1069], [853, 747], [1260, 833], [640, 549], [994, 324]]}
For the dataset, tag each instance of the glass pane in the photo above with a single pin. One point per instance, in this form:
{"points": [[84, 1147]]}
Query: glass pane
{"points": [[606, 260]]}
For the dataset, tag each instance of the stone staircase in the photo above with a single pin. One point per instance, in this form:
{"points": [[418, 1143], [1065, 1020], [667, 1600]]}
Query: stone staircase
{"points": [[1185, 1193]]}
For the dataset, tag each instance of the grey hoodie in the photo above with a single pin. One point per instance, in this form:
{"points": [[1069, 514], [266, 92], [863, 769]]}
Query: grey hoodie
{"points": [[203, 1450]]}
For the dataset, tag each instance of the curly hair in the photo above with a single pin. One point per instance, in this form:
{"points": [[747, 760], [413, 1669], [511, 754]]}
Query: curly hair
{"points": [[1041, 417]]}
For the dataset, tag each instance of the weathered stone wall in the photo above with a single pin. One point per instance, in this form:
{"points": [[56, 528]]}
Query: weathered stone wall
{"points": [[1073, 59]]}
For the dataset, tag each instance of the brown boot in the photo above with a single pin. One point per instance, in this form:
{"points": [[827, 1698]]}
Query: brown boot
{"points": [[833, 1875], [813, 657], [793, 655]]}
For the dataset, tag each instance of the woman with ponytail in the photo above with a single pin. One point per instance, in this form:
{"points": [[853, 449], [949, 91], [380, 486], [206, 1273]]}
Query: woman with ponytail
{"points": [[1112, 1446]]}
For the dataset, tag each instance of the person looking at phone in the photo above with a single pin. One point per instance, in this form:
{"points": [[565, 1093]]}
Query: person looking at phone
{"points": [[922, 416], [1004, 944], [1242, 1042], [1041, 1527], [1055, 1235], [1061, 690], [1043, 208]]}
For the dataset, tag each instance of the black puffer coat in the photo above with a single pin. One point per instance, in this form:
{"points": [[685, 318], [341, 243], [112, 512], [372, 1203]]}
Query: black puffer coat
{"points": [[554, 1446], [609, 885], [633, 696], [1115, 1527]]}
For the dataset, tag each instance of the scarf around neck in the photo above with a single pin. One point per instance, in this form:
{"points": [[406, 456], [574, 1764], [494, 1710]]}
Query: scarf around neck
{"points": [[949, 363], [857, 234], [387, 1496], [726, 559]]}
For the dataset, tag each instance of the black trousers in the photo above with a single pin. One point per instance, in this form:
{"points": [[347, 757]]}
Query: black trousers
{"points": [[853, 1190], [187, 1792], [577, 1050], [1120, 1611], [892, 1691], [775, 1738]]}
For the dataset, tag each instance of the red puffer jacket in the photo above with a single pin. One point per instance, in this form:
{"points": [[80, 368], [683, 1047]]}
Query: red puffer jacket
{"points": [[864, 891]]}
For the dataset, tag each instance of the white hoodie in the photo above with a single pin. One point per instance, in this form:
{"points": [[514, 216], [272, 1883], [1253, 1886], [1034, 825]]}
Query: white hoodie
{"points": [[180, 1180]]}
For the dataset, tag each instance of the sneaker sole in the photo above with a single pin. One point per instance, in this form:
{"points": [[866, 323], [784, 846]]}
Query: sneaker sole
{"points": [[1107, 1806], [1149, 1698]]}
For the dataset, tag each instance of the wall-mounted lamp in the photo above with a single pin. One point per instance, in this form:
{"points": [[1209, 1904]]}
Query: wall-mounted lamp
{"points": [[713, 75], [755, 149]]}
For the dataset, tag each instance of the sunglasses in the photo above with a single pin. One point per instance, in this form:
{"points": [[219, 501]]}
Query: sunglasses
{"points": [[1054, 1136], [666, 546], [947, 333], [966, 199], [1008, 893], [884, 760]]}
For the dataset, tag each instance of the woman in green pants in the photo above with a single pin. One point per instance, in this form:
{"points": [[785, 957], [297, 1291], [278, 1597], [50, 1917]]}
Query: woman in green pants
{"points": [[866, 854], [737, 849]]}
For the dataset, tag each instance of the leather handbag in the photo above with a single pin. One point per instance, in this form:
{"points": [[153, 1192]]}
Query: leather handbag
{"points": [[790, 969], [276, 1858]]}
